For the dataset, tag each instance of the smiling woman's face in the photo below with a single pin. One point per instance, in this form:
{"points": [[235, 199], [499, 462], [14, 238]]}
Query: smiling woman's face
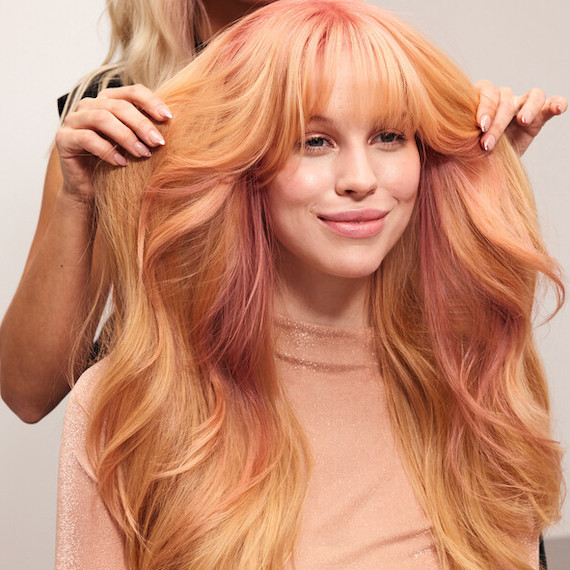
{"points": [[341, 205]]}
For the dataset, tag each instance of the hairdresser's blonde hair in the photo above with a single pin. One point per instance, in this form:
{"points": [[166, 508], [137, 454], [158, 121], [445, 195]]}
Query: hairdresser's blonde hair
{"points": [[199, 456], [150, 41]]}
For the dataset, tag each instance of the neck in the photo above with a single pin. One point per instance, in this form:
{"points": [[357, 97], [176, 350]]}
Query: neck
{"points": [[224, 12], [322, 299]]}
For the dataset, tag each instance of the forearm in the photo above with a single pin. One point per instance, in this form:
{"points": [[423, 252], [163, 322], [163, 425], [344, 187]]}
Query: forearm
{"points": [[41, 325]]}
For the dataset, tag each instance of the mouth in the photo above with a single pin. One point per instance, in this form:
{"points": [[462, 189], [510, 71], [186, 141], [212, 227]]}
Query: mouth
{"points": [[355, 223]]}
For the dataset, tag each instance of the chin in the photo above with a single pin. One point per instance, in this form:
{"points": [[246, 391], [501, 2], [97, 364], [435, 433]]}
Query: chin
{"points": [[354, 271]]}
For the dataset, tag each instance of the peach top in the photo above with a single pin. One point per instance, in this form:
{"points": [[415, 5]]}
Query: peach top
{"points": [[360, 512]]}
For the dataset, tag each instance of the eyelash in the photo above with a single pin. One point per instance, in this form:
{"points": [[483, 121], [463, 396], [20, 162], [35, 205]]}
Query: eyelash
{"points": [[397, 138]]}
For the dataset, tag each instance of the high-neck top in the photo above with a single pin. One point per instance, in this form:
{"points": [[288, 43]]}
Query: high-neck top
{"points": [[361, 511]]}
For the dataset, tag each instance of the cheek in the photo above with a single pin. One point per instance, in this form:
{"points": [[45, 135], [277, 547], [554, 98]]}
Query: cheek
{"points": [[404, 178], [282, 205], [297, 187]]}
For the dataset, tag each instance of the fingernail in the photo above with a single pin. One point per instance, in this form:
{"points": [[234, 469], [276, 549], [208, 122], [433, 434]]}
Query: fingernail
{"points": [[165, 112], [485, 123], [559, 108], [141, 149], [119, 159], [155, 137], [523, 119], [489, 143]]}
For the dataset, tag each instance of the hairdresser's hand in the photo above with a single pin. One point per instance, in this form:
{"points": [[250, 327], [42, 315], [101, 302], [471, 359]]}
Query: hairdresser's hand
{"points": [[116, 121], [520, 117]]}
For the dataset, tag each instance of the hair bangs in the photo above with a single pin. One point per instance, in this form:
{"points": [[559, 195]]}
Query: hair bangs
{"points": [[379, 87]]}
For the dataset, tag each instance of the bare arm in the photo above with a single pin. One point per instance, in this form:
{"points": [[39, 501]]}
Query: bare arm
{"points": [[57, 288], [40, 325]]}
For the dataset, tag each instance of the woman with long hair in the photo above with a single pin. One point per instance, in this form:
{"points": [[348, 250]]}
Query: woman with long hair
{"points": [[150, 41], [321, 353]]}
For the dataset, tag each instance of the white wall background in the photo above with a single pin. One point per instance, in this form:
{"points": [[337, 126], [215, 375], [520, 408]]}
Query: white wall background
{"points": [[47, 46]]}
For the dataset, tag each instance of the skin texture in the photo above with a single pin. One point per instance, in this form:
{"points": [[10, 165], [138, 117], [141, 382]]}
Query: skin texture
{"points": [[38, 330], [347, 166]]}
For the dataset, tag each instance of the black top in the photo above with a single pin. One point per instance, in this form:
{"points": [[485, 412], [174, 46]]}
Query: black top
{"points": [[542, 553], [92, 91]]}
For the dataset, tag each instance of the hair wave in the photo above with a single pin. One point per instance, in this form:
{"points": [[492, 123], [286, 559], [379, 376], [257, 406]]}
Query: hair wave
{"points": [[202, 463]]}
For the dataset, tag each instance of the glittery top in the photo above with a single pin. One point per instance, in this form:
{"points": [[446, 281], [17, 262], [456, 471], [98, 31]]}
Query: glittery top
{"points": [[86, 536], [360, 511]]}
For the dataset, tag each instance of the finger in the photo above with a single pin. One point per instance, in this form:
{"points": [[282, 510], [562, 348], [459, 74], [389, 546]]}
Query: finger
{"points": [[553, 107], [489, 98], [142, 97], [532, 103], [107, 125], [557, 105], [69, 141], [102, 115], [506, 110]]}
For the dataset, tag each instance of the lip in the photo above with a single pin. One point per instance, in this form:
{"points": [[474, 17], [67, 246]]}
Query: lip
{"points": [[355, 223]]}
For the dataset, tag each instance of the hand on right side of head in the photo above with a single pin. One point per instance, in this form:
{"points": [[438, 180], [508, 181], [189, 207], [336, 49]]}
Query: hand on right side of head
{"points": [[115, 123]]}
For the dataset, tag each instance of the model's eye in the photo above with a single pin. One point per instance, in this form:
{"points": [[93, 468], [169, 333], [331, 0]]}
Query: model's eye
{"points": [[389, 137], [315, 143]]}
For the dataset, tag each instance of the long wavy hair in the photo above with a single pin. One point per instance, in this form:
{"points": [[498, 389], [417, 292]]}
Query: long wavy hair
{"points": [[150, 41], [198, 453]]}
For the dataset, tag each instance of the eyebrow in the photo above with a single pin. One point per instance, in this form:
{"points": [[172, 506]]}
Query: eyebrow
{"points": [[320, 119], [332, 122]]}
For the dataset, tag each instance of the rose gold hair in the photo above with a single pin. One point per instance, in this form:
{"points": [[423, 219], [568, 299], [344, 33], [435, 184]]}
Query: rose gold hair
{"points": [[202, 462]]}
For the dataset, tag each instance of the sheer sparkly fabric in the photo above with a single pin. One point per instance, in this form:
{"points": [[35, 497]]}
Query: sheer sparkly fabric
{"points": [[360, 513], [86, 536]]}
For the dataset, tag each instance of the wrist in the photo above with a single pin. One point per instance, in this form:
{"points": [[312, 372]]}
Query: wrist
{"points": [[75, 200], [71, 206]]}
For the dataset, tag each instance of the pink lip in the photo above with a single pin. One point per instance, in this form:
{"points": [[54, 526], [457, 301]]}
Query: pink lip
{"points": [[355, 223]]}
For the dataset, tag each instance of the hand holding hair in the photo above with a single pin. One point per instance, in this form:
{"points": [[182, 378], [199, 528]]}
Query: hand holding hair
{"points": [[118, 115]]}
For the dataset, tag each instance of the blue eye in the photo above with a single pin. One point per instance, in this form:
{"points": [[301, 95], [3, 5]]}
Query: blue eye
{"points": [[315, 142], [389, 137]]}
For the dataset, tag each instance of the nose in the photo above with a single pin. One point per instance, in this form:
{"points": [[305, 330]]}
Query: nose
{"points": [[355, 175]]}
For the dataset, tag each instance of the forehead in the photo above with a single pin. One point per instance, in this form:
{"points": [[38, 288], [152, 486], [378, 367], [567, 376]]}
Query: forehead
{"points": [[353, 89]]}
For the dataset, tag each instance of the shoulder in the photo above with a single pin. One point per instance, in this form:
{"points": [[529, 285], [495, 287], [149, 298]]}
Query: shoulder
{"points": [[73, 451], [82, 391], [78, 411]]}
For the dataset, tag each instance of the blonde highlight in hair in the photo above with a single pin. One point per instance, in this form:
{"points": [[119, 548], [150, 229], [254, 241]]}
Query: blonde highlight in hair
{"points": [[150, 41], [200, 458]]}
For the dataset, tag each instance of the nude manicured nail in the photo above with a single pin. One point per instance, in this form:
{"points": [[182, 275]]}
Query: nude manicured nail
{"points": [[155, 137], [165, 112], [485, 123], [141, 149], [120, 159], [524, 120], [489, 143]]}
